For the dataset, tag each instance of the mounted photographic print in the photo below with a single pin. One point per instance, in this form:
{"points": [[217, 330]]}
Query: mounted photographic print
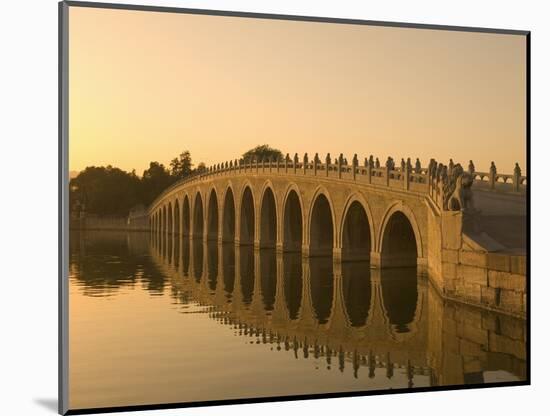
{"points": [[264, 207]]}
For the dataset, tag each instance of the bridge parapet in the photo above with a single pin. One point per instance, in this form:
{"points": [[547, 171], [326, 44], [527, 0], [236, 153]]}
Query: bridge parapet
{"points": [[434, 180]]}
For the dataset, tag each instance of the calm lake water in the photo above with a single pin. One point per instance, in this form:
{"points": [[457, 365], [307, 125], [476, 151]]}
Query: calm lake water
{"points": [[178, 321]]}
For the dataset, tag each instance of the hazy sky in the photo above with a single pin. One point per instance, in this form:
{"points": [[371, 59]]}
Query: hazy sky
{"points": [[145, 86]]}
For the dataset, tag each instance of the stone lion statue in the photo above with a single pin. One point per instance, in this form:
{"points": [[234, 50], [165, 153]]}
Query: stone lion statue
{"points": [[457, 190]]}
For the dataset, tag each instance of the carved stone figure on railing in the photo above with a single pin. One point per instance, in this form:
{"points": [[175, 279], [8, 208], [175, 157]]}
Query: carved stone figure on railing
{"points": [[409, 164], [492, 175], [402, 165], [451, 165], [371, 161], [457, 192], [439, 172], [417, 166], [516, 179], [296, 160], [355, 161], [287, 157], [432, 169], [390, 164], [327, 160], [377, 164], [471, 167]]}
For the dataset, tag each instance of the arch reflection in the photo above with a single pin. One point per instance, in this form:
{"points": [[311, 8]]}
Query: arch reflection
{"points": [[357, 292], [293, 283], [321, 281], [268, 278], [400, 296], [246, 259], [212, 259], [228, 267], [198, 258], [185, 256]]}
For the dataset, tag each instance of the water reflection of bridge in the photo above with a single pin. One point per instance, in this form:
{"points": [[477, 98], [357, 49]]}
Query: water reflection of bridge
{"points": [[370, 318]]}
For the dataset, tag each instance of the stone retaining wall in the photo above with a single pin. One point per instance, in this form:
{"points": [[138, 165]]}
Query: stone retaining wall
{"points": [[472, 274]]}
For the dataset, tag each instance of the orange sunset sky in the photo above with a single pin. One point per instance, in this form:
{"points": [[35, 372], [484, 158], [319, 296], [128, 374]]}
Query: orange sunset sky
{"points": [[145, 86]]}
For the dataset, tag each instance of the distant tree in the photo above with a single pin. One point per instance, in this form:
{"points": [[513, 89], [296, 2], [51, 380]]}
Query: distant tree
{"points": [[181, 166], [105, 190], [201, 167], [262, 152], [155, 180], [112, 191]]}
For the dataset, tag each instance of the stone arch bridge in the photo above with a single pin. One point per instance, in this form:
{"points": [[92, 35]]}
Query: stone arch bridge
{"points": [[392, 216]]}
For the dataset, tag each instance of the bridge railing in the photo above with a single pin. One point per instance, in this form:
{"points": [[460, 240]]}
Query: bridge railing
{"points": [[435, 180]]}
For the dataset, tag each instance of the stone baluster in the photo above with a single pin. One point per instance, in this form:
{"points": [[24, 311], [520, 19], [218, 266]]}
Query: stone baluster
{"points": [[407, 174], [327, 164], [388, 169], [355, 164], [340, 163], [315, 162], [305, 162], [492, 175], [417, 166], [287, 159], [370, 165], [517, 177], [430, 174], [295, 162]]}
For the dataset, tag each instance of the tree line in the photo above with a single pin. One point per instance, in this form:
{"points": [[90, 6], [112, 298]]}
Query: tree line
{"points": [[110, 191]]}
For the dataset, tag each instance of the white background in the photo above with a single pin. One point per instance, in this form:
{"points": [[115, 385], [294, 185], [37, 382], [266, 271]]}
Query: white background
{"points": [[28, 203]]}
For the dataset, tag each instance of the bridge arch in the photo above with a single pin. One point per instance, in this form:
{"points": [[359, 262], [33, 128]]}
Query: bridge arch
{"points": [[268, 218], [229, 215], [399, 238], [321, 224], [170, 217], [292, 227], [186, 215], [198, 216], [164, 219], [213, 215], [247, 216], [357, 234], [177, 217]]}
